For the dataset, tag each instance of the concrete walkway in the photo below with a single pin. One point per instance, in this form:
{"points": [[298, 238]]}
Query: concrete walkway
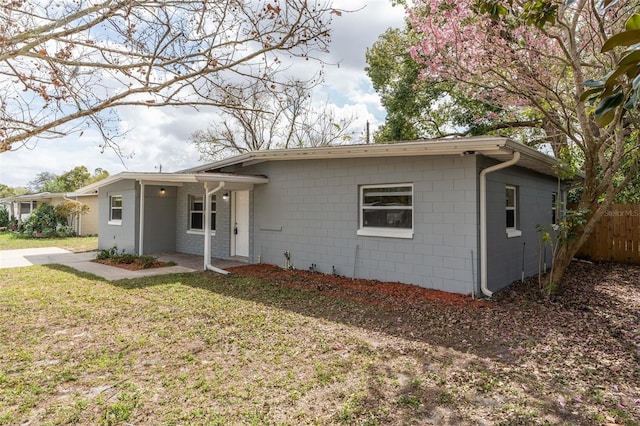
{"points": [[79, 261]]}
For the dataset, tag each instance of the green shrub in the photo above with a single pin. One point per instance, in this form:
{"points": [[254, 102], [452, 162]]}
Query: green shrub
{"points": [[107, 253], [147, 261], [42, 222], [4, 218], [45, 222], [65, 231], [126, 258]]}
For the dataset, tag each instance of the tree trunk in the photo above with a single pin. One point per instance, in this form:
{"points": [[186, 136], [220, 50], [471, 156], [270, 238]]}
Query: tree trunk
{"points": [[568, 247], [566, 251]]}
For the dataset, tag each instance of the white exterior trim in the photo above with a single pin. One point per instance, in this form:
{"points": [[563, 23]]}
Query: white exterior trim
{"points": [[174, 179], [498, 148]]}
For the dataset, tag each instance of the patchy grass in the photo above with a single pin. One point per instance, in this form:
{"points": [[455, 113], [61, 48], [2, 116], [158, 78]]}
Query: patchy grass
{"points": [[12, 241], [205, 349]]}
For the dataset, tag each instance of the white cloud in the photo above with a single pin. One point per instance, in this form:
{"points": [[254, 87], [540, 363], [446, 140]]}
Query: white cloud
{"points": [[160, 136]]}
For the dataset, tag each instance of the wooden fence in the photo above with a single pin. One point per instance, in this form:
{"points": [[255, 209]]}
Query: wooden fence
{"points": [[617, 236]]}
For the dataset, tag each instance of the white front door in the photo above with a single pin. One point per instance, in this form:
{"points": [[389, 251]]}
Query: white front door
{"points": [[240, 224]]}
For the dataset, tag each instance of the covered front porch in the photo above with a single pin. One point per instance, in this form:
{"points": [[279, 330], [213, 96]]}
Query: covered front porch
{"points": [[203, 214]]}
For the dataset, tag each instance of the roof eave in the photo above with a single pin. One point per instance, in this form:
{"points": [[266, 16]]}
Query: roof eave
{"points": [[37, 196], [498, 148], [397, 149], [169, 179]]}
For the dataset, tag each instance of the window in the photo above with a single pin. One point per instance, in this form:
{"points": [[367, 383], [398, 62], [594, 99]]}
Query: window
{"points": [[25, 207], [115, 209], [386, 210], [512, 212], [554, 208], [196, 213]]}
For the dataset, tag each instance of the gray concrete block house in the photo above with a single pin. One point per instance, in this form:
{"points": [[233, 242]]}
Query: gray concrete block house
{"points": [[459, 215]]}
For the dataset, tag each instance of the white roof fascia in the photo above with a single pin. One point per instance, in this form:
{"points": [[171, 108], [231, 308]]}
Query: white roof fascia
{"points": [[169, 179], [38, 196], [487, 146], [398, 149]]}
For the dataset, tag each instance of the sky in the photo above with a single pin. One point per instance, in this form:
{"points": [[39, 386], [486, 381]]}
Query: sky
{"points": [[158, 138]]}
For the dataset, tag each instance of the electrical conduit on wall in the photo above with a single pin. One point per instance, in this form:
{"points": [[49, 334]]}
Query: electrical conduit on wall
{"points": [[484, 287]]}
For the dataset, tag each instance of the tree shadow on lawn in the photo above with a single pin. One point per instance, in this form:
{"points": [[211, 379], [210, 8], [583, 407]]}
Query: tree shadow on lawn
{"points": [[559, 354]]}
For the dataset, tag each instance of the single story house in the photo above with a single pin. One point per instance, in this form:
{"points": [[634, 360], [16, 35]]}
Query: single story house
{"points": [[21, 206], [459, 215]]}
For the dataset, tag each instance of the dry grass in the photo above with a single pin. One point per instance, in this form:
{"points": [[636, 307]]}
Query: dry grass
{"points": [[205, 349]]}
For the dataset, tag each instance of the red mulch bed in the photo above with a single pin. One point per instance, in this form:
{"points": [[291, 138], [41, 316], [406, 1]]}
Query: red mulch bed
{"points": [[358, 290]]}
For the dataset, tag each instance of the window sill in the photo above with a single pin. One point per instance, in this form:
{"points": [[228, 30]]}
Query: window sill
{"points": [[386, 233], [512, 233], [115, 222], [199, 232]]}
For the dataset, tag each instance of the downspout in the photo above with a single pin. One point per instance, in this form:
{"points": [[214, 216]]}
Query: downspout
{"points": [[207, 228], [79, 230], [141, 221], [483, 219]]}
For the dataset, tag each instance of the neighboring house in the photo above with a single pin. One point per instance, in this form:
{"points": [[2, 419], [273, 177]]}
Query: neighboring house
{"points": [[459, 215], [21, 206]]}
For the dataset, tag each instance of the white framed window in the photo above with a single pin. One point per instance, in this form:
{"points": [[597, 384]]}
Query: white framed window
{"points": [[115, 210], [27, 206], [512, 211], [196, 214], [554, 208], [386, 210]]}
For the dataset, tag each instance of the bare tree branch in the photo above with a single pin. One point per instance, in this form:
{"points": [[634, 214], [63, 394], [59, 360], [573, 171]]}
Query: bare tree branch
{"points": [[65, 63], [268, 119]]}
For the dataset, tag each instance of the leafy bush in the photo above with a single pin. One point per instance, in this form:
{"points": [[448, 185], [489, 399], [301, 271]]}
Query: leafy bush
{"points": [[43, 222], [126, 258], [147, 261], [65, 231], [108, 253], [47, 221], [114, 256], [4, 218]]}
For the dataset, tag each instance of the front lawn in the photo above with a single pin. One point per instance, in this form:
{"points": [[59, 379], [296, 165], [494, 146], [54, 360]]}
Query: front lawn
{"points": [[11, 241], [265, 346]]}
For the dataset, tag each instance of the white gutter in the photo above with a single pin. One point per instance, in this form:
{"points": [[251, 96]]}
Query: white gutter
{"points": [[207, 228], [483, 219]]}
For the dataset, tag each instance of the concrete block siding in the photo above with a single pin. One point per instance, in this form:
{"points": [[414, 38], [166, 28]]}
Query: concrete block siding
{"points": [[505, 255], [124, 235], [189, 242], [311, 208]]}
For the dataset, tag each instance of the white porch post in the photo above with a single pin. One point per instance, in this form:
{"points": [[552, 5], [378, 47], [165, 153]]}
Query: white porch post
{"points": [[207, 221], [141, 221]]}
